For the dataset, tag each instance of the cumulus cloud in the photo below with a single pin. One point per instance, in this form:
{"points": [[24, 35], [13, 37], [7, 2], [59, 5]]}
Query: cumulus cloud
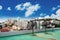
{"points": [[19, 7], [56, 16], [53, 16], [47, 16], [27, 4], [22, 6], [0, 7], [30, 9], [9, 8], [58, 12]]}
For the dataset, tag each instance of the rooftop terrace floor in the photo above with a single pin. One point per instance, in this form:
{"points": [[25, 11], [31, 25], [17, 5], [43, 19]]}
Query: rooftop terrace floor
{"points": [[50, 35]]}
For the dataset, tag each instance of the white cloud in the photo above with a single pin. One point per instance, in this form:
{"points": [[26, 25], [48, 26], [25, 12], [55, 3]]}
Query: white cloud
{"points": [[27, 4], [53, 8], [22, 6], [56, 16], [53, 16], [0, 7], [42, 14], [40, 18], [58, 6], [58, 12], [9, 8], [47, 16], [31, 10], [19, 7]]}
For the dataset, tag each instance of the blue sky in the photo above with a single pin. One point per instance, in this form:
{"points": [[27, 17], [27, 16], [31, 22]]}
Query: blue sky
{"points": [[29, 8]]}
